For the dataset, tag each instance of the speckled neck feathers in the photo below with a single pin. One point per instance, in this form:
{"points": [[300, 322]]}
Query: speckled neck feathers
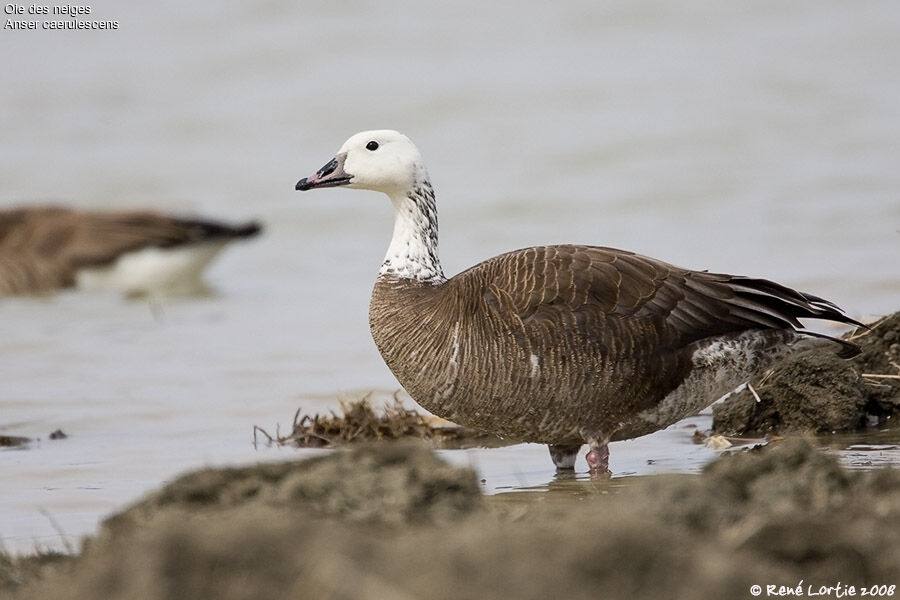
{"points": [[413, 252]]}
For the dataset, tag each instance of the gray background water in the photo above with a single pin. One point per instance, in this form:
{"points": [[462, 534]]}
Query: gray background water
{"points": [[757, 138]]}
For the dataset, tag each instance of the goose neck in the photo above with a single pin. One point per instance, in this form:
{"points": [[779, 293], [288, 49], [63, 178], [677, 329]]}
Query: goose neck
{"points": [[413, 251]]}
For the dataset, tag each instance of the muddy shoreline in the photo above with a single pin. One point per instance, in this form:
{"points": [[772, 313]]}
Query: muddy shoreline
{"points": [[392, 520]]}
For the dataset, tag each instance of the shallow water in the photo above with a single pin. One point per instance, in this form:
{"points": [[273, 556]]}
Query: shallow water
{"points": [[753, 139]]}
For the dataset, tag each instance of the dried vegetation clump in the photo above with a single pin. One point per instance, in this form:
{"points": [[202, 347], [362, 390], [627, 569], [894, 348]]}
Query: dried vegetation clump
{"points": [[359, 422]]}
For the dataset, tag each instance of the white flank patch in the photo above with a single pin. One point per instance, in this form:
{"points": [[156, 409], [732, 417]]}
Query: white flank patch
{"points": [[721, 352], [719, 368], [455, 344], [153, 270], [535, 365]]}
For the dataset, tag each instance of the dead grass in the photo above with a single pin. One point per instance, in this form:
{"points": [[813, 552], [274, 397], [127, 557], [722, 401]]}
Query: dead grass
{"points": [[359, 422], [16, 571]]}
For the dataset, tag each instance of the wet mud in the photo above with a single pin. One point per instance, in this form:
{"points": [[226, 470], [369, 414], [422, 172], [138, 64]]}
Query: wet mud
{"points": [[394, 521], [817, 392]]}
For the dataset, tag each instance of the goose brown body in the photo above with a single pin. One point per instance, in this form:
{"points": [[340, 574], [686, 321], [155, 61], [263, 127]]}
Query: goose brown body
{"points": [[42, 248], [562, 345]]}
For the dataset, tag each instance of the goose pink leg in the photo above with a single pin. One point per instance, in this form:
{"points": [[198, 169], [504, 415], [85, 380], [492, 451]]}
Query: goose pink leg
{"points": [[598, 459]]}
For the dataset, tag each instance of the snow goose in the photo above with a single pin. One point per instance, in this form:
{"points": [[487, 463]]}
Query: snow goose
{"points": [[562, 345]]}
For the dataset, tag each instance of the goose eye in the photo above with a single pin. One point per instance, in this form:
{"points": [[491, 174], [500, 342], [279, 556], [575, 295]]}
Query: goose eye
{"points": [[373, 145]]}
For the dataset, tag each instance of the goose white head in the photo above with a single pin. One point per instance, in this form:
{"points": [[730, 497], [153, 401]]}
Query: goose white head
{"points": [[381, 160], [387, 161]]}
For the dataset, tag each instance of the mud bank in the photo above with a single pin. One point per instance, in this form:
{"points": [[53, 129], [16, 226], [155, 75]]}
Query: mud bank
{"points": [[817, 392], [393, 521]]}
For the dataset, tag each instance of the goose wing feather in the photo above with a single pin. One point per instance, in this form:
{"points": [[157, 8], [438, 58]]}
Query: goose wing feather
{"points": [[610, 296]]}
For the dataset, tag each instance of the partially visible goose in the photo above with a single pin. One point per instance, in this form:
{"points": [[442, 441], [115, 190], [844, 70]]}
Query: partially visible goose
{"points": [[561, 345], [44, 248]]}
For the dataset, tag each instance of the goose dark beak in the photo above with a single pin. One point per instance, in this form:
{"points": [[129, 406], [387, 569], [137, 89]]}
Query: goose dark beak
{"points": [[331, 175]]}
